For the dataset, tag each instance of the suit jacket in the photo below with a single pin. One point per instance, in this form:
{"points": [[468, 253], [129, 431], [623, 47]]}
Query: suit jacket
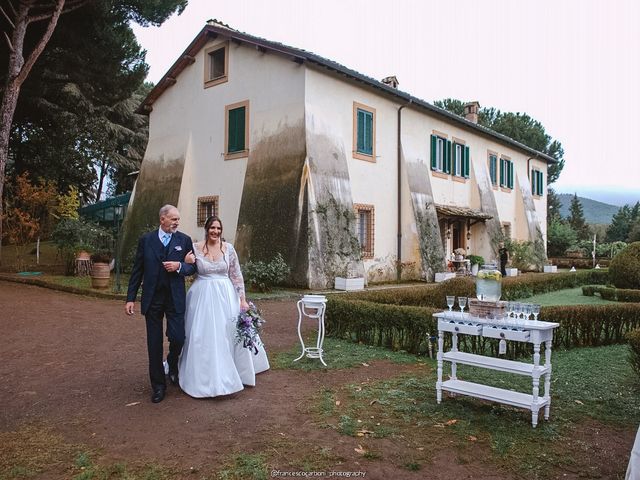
{"points": [[147, 268]]}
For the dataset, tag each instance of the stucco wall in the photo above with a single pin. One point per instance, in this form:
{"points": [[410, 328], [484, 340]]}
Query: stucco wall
{"points": [[188, 121]]}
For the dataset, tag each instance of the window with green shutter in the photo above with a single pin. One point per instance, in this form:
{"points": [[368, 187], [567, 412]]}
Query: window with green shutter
{"points": [[537, 179], [364, 132], [236, 141], [493, 169], [440, 154], [506, 173], [458, 159], [236, 130], [460, 164]]}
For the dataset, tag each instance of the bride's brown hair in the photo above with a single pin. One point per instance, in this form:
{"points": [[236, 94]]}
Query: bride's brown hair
{"points": [[207, 226]]}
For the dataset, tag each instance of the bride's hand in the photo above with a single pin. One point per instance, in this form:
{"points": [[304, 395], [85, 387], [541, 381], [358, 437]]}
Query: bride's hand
{"points": [[190, 257], [244, 306]]}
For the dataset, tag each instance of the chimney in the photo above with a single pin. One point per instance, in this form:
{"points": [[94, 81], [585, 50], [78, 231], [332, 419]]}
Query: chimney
{"points": [[392, 81], [471, 110]]}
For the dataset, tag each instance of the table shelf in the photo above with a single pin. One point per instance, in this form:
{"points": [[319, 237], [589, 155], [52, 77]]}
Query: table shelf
{"points": [[494, 394], [502, 365]]}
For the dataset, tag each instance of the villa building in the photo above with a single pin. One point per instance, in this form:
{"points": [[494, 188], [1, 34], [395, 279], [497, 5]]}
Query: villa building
{"points": [[342, 174]]}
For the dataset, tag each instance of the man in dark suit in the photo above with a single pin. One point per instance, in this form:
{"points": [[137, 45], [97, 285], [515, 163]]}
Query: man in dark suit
{"points": [[160, 267]]}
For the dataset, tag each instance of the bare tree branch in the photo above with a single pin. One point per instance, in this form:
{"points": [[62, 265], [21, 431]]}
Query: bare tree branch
{"points": [[7, 17], [6, 37], [13, 10]]}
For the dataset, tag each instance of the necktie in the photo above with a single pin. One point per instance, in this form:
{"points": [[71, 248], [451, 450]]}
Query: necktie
{"points": [[165, 239]]}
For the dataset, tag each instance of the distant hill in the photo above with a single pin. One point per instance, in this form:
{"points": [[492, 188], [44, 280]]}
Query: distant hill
{"points": [[594, 211]]}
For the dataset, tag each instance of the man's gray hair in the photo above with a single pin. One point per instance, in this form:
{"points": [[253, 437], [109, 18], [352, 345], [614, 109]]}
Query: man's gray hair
{"points": [[165, 210]]}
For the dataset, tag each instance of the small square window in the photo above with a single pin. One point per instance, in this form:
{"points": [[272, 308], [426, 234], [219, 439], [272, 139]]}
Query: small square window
{"points": [[216, 65], [207, 207]]}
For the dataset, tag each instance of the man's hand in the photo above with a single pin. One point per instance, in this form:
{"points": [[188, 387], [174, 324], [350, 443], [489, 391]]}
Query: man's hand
{"points": [[128, 308], [171, 266]]}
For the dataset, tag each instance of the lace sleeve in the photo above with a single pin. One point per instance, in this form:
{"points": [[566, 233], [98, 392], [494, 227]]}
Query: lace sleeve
{"points": [[235, 274]]}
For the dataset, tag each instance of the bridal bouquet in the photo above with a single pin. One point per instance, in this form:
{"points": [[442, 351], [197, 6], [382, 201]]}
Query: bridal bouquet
{"points": [[248, 327]]}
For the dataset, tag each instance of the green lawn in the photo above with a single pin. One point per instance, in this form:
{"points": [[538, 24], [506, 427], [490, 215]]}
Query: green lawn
{"points": [[572, 296]]}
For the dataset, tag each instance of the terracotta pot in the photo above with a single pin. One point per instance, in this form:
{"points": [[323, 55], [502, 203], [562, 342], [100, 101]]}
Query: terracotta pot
{"points": [[100, 275]]}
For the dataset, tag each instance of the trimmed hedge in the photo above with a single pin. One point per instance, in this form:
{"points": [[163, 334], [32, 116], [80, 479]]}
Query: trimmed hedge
{"points": [[592, 325], [401, 318], [397, 327], [628, 295], [634, 354], [434, 296], [611, 293]]}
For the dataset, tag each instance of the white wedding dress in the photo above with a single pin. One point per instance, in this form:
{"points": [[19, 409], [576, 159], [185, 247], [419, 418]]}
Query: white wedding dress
{"points": [[212, 363]]}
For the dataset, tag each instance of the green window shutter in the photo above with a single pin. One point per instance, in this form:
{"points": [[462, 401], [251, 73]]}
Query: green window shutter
{"points": [[360, 132], [540, 183], [502, 173], [368, 133], [434, 148], [447, 157], [510, 174], [465, 165], [236, 130], [493, 169]]}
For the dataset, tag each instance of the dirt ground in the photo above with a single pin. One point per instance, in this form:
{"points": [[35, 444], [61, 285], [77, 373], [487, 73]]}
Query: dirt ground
{"points": [[78, 365]]}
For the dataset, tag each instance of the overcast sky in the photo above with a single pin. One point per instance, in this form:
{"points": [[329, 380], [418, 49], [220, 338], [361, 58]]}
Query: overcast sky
{"points": [[574, 65]]}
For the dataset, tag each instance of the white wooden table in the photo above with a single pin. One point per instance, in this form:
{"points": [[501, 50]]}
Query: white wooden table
{"points": [[534, 332]]}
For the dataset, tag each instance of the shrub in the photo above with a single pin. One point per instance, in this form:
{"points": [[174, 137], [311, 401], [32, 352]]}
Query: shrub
{"points": [[74, 234], [628, 295], [101, 256], [263, 276], [617, 294], [476, 260], [397, 327], [588, 290], [521, 255], [592, 325], [608, 293], [625, 267], [633, 338], [560, 237]]}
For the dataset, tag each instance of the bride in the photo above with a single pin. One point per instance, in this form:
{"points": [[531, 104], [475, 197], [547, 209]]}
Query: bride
{"points": [[212, 362]]}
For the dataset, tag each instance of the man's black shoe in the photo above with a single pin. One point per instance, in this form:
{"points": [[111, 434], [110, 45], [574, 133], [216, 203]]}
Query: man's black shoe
{"points": [[173, 376], [158, 395]]}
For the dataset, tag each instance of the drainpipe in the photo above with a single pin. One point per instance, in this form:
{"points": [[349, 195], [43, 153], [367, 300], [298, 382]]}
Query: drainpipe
{"points": [[528, 167], [399, 251]]}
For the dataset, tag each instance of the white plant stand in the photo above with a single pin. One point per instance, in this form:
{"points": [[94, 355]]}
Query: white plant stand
{"points": [[535, 332], [313, 307]]}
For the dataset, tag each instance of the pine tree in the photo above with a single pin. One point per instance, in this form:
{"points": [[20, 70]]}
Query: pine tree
{"points": [[576, 219]]}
